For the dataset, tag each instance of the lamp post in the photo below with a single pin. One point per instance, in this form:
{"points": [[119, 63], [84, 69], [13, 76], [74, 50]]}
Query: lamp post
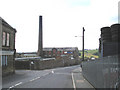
{"points": [[82, 44]]}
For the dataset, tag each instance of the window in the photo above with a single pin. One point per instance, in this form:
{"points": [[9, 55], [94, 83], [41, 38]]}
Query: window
{"points": [[8, 39], [4, 60], [3, 38]]}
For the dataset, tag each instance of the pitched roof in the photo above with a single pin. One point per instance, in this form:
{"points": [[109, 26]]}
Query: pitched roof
{"points": [[6, 24]]}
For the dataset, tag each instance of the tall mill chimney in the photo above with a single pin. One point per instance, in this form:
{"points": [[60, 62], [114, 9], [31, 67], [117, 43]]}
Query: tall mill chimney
{"points": [[40, 40]]}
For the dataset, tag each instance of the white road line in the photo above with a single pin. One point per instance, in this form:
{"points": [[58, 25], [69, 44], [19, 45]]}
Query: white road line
{"points": [[35, 79], [15, 85], [10, 87], [18, 84], [31, 80], [73, 82], [38, 77]]}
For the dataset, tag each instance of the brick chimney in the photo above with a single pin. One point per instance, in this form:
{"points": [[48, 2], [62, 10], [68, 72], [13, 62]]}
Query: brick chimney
{"points": [[40, 39]]}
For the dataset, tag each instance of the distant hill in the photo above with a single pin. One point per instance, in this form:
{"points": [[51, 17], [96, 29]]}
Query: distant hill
{"points": [[90, 53]]}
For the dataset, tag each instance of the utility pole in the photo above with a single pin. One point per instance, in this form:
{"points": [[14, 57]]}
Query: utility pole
{"points": [[83, 45]]}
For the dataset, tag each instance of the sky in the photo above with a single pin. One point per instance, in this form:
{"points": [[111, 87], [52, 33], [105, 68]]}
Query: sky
{"points": [[62, 21]]}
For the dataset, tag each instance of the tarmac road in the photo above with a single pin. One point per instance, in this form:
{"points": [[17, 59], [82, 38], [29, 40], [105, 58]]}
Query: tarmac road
{"points": [[63, 77], [50, 78]]}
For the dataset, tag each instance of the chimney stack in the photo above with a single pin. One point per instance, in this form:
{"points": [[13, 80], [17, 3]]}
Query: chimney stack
{"points": [[40, 42]]}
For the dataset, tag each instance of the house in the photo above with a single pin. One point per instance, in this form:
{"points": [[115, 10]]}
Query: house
{"points": [[7, 47]]}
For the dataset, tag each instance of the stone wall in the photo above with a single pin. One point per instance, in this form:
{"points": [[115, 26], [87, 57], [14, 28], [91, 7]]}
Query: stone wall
{"points": [[45, 64], [9, 68]]}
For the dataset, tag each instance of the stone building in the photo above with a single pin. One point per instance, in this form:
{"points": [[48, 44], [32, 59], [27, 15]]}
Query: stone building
{"points": [[7, 48]]}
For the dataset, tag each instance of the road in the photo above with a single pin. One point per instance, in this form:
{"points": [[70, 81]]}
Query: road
{"points": [[50, 78]]}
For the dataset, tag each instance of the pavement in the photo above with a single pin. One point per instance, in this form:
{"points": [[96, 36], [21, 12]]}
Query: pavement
{"points": [[79, 81]]}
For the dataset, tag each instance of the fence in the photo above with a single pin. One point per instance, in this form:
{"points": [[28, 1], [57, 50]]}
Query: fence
{"points": [[104, 73]]}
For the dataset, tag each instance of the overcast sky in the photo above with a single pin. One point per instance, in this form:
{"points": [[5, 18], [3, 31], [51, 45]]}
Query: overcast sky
{"points": [[62, 21]]}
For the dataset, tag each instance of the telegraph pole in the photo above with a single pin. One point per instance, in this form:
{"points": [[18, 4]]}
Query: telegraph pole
{"points": [[83, 45]]}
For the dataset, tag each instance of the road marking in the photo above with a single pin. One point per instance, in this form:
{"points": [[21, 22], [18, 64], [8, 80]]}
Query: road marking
{"points": [[35, 79], [38, 77], [10, 87], [73, 82], [18, 84], [52, 71], [29, 80], [14, 85]]}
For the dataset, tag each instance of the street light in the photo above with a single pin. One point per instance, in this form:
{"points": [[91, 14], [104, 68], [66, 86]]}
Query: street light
{"points": [[82, 43]]}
